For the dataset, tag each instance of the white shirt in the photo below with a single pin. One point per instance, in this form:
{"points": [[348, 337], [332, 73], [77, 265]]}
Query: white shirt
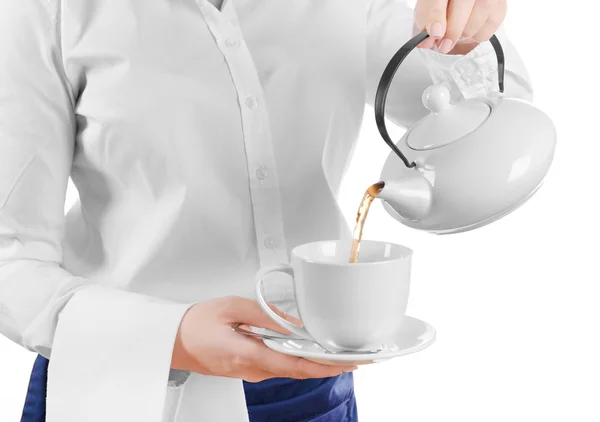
{"points": [[204, 144]]}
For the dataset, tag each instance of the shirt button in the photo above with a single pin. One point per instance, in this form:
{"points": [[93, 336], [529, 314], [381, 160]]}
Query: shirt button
{"points": [[262, 173], [251, 102], [231, 42], [270, 242]]}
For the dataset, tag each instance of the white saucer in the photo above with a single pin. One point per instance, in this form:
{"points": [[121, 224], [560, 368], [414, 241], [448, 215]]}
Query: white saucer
{"points": [[414, 336]]}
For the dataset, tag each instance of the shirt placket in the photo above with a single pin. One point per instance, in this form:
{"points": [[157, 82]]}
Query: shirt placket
{"points": [[260, 157]]}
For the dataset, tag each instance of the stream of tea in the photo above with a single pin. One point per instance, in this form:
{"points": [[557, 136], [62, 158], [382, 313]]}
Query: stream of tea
{"points": [[361, 217]]}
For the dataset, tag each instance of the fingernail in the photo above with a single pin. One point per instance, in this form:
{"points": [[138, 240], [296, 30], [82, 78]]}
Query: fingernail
{"points": [[446, 46], [436, 30]]}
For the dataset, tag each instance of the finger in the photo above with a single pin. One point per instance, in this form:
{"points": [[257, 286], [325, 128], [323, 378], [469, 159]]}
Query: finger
{"points": [[430, 15], [458, 16], [287, 366], [261, 375], [479, 16], [465, 46], [287, 317], [428, 43], [247, 311], [257, 375], [243, 368], [493, 23]]}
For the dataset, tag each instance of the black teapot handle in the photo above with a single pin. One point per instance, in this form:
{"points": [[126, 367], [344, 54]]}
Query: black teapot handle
{"points": [[388, 76]]}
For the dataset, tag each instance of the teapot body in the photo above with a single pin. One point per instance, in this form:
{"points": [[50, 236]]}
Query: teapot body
{"points": [[483, 175]]}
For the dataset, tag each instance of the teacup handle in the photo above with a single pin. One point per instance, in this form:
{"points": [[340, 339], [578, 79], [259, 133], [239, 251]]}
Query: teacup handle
{"points": [[260, 276]]}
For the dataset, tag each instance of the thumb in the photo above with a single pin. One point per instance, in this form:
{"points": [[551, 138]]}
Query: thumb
{"points": [[246, 311], [431, 15]]}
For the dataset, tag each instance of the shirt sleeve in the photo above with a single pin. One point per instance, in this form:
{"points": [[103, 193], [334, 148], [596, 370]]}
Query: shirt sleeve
{"points": [[390, 24], [110, 350]]}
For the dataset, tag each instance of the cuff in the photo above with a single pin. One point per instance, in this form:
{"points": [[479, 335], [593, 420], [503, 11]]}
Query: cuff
{"points": [[470, 76], [111, 356]]}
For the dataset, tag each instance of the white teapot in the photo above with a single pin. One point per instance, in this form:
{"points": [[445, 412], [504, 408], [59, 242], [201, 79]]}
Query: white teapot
{"points": [[466, 164]]}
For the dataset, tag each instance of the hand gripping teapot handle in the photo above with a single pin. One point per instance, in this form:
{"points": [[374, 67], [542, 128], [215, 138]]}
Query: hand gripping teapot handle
{"points": [[388, 76]]}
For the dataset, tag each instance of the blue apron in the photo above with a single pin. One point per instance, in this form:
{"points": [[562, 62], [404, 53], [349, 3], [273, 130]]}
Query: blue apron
{"points": [[274, 400]]}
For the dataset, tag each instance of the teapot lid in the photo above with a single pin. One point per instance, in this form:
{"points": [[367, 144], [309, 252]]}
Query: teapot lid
{"points": [[447, 122]]}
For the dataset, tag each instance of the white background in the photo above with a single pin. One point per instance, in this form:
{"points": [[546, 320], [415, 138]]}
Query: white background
{"points": [[516, 304]]}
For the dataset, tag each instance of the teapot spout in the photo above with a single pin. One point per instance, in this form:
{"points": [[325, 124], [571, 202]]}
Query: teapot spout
{"points": [[410, 197]]}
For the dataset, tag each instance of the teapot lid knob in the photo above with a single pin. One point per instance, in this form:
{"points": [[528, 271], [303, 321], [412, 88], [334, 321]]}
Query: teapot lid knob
{"points": [[447, 122], [437, 98]]}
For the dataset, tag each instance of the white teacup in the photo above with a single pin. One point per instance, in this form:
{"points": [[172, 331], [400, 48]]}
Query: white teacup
{"points": [[344, 306]]}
